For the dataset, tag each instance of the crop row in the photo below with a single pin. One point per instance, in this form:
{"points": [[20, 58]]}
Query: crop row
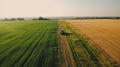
{"points": [[28, 44]]}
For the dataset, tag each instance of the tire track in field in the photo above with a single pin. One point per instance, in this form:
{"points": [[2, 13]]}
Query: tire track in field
{"points": [[28, 52], [76, 55], [27, 46], [13, 41], [3, 34], [42, 54], [7, 37], [11, 50], [66, 59], [37, 54]]}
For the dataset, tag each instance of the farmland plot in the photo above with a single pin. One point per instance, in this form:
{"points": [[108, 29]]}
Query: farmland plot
{"points": [[103, 33], [28, 43]]}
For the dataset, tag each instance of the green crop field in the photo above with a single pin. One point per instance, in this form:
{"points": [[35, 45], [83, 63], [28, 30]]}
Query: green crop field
{"points": [[28, 43]]}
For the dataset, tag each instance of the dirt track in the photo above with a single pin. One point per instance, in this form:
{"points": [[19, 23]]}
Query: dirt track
{"points": [[66, 59]]}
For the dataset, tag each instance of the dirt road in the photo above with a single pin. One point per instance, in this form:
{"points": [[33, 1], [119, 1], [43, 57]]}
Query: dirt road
{"points": [[66, 59]]}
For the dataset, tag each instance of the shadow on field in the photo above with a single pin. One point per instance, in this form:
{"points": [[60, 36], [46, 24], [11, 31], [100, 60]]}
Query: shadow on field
{"points": [[67, 34]]}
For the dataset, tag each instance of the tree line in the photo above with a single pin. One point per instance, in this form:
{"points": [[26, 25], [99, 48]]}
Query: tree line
{"points": [[40, 18], [13, 19], [96, 18]]}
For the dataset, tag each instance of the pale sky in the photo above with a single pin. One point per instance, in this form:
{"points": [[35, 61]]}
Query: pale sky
{"points": [[53, 8]]}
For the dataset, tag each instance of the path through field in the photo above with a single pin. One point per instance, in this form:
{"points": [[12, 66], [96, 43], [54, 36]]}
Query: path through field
{"points": [[66, 59]]}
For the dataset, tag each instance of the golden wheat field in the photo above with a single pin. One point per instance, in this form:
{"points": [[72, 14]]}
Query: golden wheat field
{"points": [[103, 32]]}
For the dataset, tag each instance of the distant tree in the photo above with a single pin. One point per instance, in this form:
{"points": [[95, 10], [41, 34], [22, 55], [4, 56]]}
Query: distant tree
{"points": [[20, 18], [33, 18], [5, 19], [40, 18]]}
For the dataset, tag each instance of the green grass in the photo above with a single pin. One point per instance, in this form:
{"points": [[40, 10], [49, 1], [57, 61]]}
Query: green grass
{"points": [[85, 54], [28, 43]]}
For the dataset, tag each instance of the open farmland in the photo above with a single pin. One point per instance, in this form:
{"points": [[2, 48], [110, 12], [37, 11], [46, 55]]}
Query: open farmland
{"points": [[28, 43], [104, 33], [39, 43]]}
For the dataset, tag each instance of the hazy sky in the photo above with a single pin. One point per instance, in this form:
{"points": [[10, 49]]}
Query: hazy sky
{"points": [[35, 8]]}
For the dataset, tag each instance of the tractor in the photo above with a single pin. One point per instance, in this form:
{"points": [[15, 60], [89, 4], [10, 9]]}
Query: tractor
{"points": [[62, 32]]}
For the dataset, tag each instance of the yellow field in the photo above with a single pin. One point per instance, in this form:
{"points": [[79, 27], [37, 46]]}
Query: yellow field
{"points": [[105, 33]]}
